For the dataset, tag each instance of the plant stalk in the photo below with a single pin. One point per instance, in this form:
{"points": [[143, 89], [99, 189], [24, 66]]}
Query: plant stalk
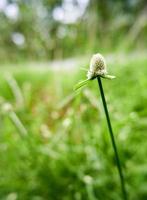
{"points": [[124, 193]]}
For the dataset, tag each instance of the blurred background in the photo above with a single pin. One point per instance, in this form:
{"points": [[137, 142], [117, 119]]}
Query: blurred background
{"points": [[54, 143], [56, 29]]}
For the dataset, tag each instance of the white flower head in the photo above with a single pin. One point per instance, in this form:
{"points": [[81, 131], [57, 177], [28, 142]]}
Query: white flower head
{"points": [[97, 66]]}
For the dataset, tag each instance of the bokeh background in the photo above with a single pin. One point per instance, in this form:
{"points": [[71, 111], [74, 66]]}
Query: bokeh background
{"points": [[54, 142]]}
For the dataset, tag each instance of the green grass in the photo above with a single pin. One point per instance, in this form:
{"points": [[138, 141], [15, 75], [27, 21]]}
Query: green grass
{"points": [[67, 152]]}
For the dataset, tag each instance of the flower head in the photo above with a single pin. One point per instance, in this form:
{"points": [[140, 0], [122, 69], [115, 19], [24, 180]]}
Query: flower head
{"points": [[97, 66]]}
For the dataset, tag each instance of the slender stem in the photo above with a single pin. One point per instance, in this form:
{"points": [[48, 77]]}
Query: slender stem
{"points": [[113, 140]]}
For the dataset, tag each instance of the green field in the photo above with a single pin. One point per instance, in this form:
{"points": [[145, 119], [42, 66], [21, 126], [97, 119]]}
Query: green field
{"points": [[54, 143]]}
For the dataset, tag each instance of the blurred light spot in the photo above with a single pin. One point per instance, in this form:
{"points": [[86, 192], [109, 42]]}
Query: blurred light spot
{"points": [[133, 115], [133, 3], [6, 108], [45, 132], [124, 133], [18, 39], [87, 179], [67, 122], [70, 12], [12, 11], [11, 196], [41, 10], [3, 4], [58, 14]]}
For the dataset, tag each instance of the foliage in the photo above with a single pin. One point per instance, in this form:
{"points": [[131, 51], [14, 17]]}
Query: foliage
{"points": [[67, 153]]}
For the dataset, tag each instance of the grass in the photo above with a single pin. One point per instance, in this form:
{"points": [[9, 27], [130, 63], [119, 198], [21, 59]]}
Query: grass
{"points": [[67, 153]]}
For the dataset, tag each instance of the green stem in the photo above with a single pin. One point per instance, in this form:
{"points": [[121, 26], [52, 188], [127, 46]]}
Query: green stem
{"points": [[113, 140], [81, 84]]}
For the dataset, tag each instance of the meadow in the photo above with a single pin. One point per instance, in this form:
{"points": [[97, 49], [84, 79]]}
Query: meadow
{"points": [[54, 142]]}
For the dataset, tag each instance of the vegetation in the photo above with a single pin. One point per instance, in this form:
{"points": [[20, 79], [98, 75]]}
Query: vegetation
{"points": [[66, 152], [54, 142], [41, 31]]}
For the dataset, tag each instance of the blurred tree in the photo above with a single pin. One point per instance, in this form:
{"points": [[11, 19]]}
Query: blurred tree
{"points": [[49, 29]]}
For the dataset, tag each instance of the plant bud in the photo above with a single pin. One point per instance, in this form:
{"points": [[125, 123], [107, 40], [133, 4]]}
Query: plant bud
{"points": [[97, 66]]}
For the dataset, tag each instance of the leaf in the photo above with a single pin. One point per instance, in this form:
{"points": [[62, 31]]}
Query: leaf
{"points": [[107, 76], [81, 84]]}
